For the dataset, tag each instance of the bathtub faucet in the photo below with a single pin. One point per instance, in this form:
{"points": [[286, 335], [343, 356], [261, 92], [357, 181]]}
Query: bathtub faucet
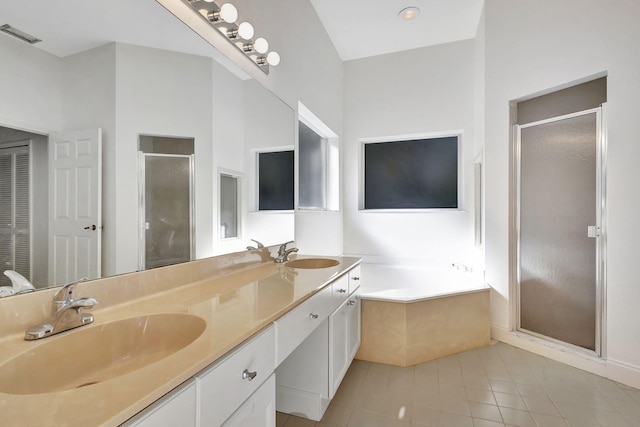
{"points": [[462, 267]]}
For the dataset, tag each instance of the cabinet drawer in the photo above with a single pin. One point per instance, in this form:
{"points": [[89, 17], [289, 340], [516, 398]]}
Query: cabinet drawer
{"points": [[354, 279], [178, 407], [298, 324], [230, 382], [340, 291]]}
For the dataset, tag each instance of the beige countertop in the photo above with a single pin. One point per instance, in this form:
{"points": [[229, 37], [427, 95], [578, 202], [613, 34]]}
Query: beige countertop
{"points": [[235, 307]]}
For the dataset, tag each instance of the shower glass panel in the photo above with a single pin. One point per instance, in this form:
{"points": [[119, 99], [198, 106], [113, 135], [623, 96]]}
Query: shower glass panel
{"points": [[167, 207], [558, 201]]}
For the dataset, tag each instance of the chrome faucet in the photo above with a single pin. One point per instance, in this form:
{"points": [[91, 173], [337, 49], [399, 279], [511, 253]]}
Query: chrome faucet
{"points": [[283, 253], [66, 313], [253, 248]]}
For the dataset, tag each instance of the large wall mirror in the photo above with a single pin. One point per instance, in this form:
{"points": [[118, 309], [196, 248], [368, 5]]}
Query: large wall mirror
{"points": [[79, 110]]}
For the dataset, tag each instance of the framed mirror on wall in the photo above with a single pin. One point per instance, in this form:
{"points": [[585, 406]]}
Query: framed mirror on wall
{"points": [[170, 83]]}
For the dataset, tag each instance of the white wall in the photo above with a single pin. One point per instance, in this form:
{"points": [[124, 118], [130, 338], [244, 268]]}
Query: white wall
{"points": [[426, 90], [310, 72], [30, 87], [88, 102], [269, 124], [161, 93], [533, 47]]}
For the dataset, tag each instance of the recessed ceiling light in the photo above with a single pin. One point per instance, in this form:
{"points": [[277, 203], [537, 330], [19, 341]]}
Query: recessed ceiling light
{"points": [[409, 13]]}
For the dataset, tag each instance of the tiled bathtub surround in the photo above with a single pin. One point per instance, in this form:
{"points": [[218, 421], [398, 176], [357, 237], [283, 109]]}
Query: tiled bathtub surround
{"points": [[493, 386], [407, 333]]}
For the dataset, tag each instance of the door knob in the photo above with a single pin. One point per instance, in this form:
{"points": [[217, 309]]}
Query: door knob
{"points": [[91, 227]]}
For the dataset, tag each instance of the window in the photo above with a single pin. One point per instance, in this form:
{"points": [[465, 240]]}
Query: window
{"points": [[412, 174], [229, 211], [275, 180], [312, 160]]}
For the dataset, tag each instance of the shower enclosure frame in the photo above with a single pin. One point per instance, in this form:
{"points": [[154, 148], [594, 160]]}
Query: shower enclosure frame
{"points": [[601, 239], [142, 205]]}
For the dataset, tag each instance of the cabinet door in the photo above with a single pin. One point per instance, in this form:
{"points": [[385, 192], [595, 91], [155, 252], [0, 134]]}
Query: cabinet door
{"points": [[177, 408], [258, 410], [339, 350], [354, 304]]}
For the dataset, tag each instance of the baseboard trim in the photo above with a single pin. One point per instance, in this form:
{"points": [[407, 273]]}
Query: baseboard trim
{"points": [[553, 351], [623, 373], [300, 403]]}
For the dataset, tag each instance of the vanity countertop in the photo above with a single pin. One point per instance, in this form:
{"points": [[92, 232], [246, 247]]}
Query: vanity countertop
{"points": [[235, 306]]}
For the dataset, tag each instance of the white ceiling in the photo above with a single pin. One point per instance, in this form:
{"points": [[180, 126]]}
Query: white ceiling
{"points": [[362, 28], [71, 26], [358, 28]]}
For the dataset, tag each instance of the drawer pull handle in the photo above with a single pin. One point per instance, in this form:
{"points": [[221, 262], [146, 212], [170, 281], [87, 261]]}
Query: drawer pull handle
{"points": [[342, 291], [313, 316], [246, 375], [351, 302], [355, 278]]}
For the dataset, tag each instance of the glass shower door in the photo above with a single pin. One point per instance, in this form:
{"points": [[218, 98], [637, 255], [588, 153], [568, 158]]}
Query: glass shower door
{"points": [[167, 209], [559, 225]]}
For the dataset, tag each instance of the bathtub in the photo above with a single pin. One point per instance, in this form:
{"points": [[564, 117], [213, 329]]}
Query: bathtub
{"points": [[413, 314], [410, 283]]}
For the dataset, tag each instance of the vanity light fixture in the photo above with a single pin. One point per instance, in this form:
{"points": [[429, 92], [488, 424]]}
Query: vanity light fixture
{"points": [[409, 13], [223, 18], [227, 13], [260, 45]]}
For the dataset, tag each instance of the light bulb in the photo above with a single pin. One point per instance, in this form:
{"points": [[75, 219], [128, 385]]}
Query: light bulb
{"points": [[228, 13], [273, 58], [261, 45], [245, 30], [409, 13]]}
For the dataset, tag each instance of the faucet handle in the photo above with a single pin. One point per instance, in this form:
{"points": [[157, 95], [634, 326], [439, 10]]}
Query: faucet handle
{"points": [[260, 245], [67, 293], [283, 247]]}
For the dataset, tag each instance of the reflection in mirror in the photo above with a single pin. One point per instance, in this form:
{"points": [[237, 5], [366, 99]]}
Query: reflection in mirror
{"points": [[229, 211], [23, 206], [275, 180], [312, 158], [166, 202], [169, 83]]}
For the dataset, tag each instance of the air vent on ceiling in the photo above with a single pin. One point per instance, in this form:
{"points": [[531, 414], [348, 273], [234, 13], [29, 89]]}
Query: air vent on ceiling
{"points": [[8, 29]]}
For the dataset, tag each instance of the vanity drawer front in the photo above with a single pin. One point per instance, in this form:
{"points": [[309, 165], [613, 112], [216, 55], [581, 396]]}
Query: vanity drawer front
{"points": [[298, 324], [340, 291], [354, 279], [230, 382]]}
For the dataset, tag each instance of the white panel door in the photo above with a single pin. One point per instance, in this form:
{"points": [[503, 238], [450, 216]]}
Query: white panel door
{"points": [[75, 208]]}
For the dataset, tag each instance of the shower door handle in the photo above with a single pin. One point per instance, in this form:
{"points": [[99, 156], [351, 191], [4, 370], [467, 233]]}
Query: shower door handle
{"points": [[593, 231]]}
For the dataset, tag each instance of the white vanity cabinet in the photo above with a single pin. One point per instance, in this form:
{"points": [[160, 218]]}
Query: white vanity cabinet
{"points": [[309, 376], [294, 366], [294, 327], [344, 340], [176, 408], [224, 386], [259, 409]]}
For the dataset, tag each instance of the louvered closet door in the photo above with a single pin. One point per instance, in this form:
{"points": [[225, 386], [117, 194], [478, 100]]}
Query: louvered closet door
{"points": [[15, 251]]}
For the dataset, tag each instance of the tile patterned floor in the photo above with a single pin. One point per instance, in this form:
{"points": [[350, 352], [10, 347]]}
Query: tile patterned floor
{"points": [[494, 386]]}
